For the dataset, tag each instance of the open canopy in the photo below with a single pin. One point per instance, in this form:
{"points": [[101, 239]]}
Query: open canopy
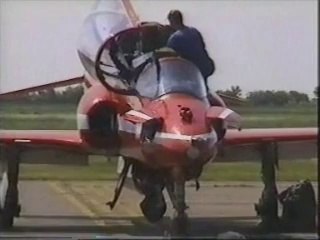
{"points": [[106, 21], [111, 48]]}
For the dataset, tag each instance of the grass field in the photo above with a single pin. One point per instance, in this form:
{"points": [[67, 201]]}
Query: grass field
{"points": [[37, 116], [244, 171], [277, 117], [63, 116]]}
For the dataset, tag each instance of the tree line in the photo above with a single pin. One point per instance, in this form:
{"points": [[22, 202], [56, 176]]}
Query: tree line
{"points": [[271, 97], [257, 98]]}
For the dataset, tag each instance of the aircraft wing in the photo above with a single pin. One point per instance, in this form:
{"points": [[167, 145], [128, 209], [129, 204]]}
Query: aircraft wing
{"points": [[53, 142], [71, 138], [259, 135], [64, 139], [48, 146]]}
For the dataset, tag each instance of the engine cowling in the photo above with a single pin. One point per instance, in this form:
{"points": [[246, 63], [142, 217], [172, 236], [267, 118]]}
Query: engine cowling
{"points": [[97, 118]]}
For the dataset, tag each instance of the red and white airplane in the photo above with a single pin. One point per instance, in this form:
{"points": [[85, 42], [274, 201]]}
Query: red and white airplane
{"points": [[160, 121]]}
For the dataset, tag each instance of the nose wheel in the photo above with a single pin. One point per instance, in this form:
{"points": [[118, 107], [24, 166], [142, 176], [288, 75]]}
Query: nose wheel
{"points": [[180, 220]]}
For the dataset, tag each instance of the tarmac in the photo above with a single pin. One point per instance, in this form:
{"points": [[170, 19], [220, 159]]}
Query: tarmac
{"points": [[77, 210]]}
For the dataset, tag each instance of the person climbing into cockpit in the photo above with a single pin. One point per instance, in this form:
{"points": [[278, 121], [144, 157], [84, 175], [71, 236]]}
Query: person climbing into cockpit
{"points": [[189, 44]]}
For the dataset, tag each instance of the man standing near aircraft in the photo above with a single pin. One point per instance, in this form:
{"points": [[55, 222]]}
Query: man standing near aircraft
{"points": [[188, 43]]}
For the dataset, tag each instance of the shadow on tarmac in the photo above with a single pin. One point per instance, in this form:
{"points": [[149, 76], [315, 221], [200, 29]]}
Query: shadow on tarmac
{"points": [[138, 226]]}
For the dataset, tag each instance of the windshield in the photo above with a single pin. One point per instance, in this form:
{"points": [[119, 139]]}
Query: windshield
{"points": [[176, 76]]}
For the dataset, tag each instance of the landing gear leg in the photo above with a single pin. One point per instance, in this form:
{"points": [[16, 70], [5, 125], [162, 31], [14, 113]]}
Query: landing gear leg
{"points": [[120, 183], [176, 191], [9, 201], [267, 208]]}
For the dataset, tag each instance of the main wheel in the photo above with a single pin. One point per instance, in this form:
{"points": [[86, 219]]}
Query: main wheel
{"points": [[9, 207], [180, 224]]}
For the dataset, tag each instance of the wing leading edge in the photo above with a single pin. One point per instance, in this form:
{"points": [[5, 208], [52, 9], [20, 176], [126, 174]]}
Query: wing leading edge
{"points": [[71, 139], [250, 136], [64, 139]]}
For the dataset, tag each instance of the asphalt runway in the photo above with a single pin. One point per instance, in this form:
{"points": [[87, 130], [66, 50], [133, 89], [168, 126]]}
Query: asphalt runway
{"points": [[78, 210]]}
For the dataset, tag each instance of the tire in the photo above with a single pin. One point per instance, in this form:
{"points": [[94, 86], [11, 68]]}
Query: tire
{"points": [[9, 207], [180, 225]]}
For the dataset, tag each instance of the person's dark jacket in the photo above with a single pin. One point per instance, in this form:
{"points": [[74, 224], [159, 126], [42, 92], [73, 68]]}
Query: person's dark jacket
{"points": [[189, 44]]}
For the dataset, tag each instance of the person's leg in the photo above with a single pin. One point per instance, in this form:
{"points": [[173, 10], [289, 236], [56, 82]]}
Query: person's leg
{"points": [[213, 98]]}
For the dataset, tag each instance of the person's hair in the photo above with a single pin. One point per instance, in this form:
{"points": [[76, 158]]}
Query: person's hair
{"points": [[175, 16]]}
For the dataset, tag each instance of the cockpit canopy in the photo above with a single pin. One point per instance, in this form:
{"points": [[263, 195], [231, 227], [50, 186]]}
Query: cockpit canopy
{"points": [[98, 27], [176, 75]]}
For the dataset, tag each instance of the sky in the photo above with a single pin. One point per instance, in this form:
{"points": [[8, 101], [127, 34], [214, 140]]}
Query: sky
{"points": [[256, 44]]}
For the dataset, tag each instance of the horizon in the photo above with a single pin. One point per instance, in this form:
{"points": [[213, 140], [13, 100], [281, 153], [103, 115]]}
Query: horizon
{"points": [[243, 94]]}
